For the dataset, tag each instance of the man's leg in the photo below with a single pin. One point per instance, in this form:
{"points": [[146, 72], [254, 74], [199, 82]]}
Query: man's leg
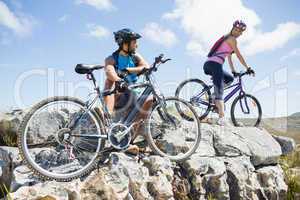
{"points": [[110, 99], [143, 114], [137, 128]]}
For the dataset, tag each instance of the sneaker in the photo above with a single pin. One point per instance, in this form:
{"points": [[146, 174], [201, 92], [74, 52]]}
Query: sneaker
{"points": [[132, 149], [223, 122]]}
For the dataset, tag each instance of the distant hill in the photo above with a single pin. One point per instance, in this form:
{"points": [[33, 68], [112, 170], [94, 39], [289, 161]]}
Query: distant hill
{"points": [[296, 114], [287, 126]]}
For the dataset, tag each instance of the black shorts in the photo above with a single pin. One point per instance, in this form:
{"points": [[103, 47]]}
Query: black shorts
{"points": [[125, 101]]}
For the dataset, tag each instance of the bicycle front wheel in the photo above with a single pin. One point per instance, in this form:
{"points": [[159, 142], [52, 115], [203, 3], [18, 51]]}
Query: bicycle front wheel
{"points": [[246, 111], [169, 134], [47, 142]]}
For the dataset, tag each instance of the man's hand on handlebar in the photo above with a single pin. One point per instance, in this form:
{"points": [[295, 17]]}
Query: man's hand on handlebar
{"points": [[121, 85], [123, 73]]}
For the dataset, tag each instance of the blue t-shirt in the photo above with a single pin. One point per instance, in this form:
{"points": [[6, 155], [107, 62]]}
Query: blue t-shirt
{"points": [[125, 62]]}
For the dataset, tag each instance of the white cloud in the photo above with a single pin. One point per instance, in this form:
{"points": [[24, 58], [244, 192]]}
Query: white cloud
{"points": [[292, 53], [159, 34], [63, 18], [21, 24], [98, 4], [274, 39], [206, 20], [97, 31]]}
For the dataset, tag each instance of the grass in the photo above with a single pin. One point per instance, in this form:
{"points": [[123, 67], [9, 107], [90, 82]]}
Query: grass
{"points": [[5, 192], [292, 179], [8, 135]]}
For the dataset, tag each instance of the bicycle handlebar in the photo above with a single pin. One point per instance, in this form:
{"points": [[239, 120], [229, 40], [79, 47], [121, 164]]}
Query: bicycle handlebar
{"points": [[240, 74], [158, 60]]}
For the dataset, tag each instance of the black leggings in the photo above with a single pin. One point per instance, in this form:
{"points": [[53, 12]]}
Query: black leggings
{"points": [[219, 77]]}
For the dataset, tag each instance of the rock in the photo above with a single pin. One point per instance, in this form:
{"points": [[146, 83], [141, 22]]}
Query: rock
{"points": [[207, 176], [230, 163], [6, 165], [160, 182], [14, 151], [272, 183], [157, 164], [287, 144], [138, 176], [160, 187], [100, 186], [52, 189], [181, 185], [241, 178], [22, 176], [206, 146], [258, 144], [247, 183]]}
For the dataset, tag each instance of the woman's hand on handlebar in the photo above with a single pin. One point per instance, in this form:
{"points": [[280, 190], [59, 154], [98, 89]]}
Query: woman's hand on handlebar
{"points": [[250, 71]]}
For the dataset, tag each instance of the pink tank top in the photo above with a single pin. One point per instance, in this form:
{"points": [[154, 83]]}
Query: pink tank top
{"points": [[223, 51]]}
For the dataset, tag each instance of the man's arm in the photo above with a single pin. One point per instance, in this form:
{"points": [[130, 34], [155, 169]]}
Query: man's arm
{"points": [[110, 70], [141, 65]]}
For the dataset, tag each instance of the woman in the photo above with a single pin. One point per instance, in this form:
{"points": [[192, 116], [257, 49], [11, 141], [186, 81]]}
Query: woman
{"points": [[223, 48]]}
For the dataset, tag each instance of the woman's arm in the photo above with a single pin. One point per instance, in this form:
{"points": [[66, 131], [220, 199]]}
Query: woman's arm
{"points": [[232, 42], [231, 63]]}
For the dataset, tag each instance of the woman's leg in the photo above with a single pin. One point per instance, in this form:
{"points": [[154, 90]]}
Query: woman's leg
{"points": [[228, 78], [218, 80]]}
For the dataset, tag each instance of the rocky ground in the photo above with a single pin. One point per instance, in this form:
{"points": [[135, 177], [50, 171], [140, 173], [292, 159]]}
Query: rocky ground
{"points": [[230, 163]]}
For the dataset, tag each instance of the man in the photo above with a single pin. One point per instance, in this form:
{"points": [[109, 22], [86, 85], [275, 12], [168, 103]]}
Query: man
{"points": [[125, 59]]}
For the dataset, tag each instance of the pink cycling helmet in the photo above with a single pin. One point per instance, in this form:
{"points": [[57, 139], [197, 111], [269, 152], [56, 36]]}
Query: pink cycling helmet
{"points": [[240, 24]]}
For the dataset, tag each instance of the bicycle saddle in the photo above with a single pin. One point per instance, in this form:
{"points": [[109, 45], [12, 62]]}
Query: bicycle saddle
{"points": [[87, 68]]}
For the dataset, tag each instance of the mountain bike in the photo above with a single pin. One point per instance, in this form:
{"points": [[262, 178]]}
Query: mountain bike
{"points": [[245, 108], [63, 138]]}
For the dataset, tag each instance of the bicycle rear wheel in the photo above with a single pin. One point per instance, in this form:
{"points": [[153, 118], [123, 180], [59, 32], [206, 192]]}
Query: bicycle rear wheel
{"points": [[46, 142], [246, 111], [198, 94], [169, 134]]}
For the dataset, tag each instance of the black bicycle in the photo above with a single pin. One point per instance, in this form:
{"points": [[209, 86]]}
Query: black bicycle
{"points": [[63, 138], [245, 108]]}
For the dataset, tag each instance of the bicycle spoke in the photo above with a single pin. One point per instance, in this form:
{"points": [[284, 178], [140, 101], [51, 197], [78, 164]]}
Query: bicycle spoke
{"points": [[169, 137], [53, 151]]}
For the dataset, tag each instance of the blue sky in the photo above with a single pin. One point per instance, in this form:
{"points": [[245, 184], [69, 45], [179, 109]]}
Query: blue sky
{"points": [[49, 37]]}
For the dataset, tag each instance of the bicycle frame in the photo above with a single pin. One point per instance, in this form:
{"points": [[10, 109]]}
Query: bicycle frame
{"points": [[238, 87], [150, 89]]}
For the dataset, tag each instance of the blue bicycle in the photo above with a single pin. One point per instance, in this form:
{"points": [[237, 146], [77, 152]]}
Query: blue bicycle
{"points": [[245, 108]]}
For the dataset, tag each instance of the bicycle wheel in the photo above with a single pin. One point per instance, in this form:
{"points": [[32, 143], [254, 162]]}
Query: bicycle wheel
{"points": [[46, 142], [169, 134], [198, 94], [246, 111]]}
